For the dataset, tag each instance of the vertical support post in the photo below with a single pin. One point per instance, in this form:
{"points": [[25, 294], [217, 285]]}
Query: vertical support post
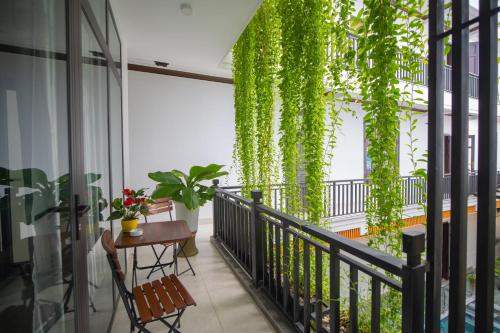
{"points": [[215, 232], [413, 282], [487, 175], [334, 289], [256, 238], [435, 166], [286, 265], [459, 162]]}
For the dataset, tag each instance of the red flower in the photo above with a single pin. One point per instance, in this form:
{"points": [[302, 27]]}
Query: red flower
{"points": [[127, 192], [128, 202], [141, 200]]}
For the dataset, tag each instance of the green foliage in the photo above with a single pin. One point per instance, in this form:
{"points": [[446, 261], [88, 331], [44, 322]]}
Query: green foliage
{"points": [[255, 66], [187, 188], [312, 59], [266, 25], [390, 41], [245, 151], [377, 69], [315, 43], [291, 87]]}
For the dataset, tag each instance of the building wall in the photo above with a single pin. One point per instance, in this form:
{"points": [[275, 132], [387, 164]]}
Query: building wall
{"points": [[175, 123]]}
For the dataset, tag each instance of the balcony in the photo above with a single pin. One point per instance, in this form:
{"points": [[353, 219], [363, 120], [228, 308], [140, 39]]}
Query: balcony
{"points": [[96, 96]]}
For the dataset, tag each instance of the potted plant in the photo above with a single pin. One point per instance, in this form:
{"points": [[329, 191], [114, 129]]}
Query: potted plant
{"points": [[128, 209], [188, 194]]}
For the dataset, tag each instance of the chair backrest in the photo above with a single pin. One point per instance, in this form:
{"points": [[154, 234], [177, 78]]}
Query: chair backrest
{"points": [[109, 246], [159, 206]]}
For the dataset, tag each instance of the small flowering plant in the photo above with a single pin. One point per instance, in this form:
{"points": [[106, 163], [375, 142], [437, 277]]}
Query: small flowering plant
{"points": [[135, 203]]}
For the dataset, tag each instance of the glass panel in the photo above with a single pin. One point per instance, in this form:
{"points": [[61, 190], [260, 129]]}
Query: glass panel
{"points": [[36, 282], [114, 42], [96, 164], [99, 10]]}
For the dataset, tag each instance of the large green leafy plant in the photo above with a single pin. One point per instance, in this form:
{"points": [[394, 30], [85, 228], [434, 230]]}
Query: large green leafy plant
{"points": [[187, 188]]}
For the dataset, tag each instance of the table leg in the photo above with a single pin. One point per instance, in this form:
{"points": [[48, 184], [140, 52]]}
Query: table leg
{"points": [[134, 269], [181, 249], [158, 262]]}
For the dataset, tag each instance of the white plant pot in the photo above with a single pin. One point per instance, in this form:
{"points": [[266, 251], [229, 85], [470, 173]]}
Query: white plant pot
{"points": [[190, 216]]}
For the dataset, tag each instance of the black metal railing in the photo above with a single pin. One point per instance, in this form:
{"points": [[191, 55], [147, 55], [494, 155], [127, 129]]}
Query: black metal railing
{"points": [[346, 197], [421, 78], [297, 265]]}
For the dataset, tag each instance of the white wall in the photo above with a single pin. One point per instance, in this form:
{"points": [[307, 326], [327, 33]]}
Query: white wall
{"points": [[347, 161], [175, 123]]}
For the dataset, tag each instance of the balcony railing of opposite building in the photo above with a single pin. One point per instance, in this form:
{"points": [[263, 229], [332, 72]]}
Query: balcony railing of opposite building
{"points": [[422, 77], [347, 197]]}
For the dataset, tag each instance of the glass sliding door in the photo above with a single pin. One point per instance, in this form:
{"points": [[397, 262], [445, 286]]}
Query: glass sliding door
{"points": [[36, 281], [96, 161], [57, 169]]}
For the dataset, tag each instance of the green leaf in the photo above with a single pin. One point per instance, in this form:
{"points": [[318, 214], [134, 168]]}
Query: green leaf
{"points": [[117, 203], [116, 215], [164, 177], [190, 198], [165, 190], [199, 173]]}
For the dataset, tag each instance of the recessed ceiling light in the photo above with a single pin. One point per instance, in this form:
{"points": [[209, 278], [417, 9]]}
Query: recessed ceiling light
{"points": [[186, 9]]}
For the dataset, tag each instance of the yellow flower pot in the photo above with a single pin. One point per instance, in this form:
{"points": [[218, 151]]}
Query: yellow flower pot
{"points": [[128, 225]]}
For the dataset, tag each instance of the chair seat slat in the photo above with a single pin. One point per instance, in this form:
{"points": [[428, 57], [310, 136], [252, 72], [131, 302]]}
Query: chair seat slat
{"points": [[168, 306], [154, 305], [188, 299], [173, 293], [142, 305]]}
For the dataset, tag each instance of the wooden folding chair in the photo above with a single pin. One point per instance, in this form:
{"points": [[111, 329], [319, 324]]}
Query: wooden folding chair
{"points": [[159, 300], [161, 206]]}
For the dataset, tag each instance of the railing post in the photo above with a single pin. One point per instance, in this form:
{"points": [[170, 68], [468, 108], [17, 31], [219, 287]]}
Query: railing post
{"points": [[413, 282], [215, 232], [257, 239]]}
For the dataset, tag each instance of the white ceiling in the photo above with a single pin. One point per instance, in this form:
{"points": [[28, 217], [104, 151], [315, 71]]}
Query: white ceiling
{"points": [[157, 30]]}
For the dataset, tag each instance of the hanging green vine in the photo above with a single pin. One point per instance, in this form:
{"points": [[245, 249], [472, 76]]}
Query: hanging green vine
{"points": [[377, 73], [388, 43], [267, 58], [245, 107], [314, 110], [412, 56], [291, 85]]}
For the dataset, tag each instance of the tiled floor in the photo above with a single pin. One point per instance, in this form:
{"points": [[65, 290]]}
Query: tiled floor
{"points": [[223, 304]]}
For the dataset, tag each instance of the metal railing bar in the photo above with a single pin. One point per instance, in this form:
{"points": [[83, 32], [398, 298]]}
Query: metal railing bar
{"points": [[364, 252], [371, 272]]}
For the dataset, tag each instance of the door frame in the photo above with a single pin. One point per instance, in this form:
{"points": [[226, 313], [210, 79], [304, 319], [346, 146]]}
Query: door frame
{"points": [[76, 11]]}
